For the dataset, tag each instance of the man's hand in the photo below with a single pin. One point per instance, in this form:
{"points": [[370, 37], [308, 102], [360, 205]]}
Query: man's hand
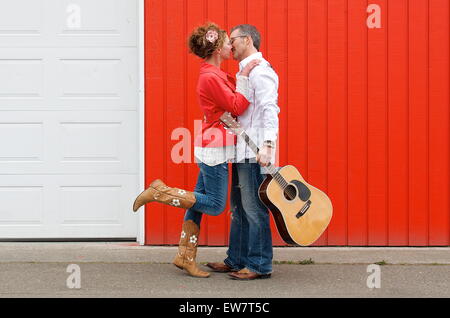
{"points": [[264, 156]]}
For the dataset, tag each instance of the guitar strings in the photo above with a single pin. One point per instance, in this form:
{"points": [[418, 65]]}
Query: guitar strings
{"points": [[291, 193]]}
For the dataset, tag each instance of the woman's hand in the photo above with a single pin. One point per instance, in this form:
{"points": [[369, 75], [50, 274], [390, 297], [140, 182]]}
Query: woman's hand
{"points": [[249, 67]]}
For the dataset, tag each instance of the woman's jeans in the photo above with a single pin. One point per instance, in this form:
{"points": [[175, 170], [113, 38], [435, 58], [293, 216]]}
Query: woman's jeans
{"points": [[250, 235], [210, 192]]}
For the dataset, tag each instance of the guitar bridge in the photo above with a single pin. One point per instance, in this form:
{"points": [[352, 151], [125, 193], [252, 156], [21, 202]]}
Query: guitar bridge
{"points": [[304, 209]]}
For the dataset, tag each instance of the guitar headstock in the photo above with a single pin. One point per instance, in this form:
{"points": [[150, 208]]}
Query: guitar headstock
{"points": [[228, 120]]}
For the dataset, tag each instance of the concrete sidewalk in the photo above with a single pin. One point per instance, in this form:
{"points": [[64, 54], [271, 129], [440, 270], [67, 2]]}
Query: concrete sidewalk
{"points": [[121, 269], [124, 252]]}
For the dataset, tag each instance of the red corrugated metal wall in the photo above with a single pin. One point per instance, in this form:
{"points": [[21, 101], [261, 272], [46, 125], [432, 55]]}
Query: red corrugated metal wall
{"points": [[364, 111]]}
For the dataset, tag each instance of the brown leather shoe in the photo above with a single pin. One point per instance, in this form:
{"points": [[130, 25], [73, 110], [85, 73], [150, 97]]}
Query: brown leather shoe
{"points": [[245, 274], [220, 267]]}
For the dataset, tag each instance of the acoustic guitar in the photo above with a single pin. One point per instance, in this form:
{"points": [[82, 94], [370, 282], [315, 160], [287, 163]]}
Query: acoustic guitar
{"points": [[301, 211]]}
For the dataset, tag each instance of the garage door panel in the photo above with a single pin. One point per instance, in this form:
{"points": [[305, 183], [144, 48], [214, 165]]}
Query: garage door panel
{"points": [[68, 23], [90, 141], [69, 79], [76, 206], [20, 26], [21, 205], [68, 143], [21, 78], [101, 22], [28, 206], [97, 79], [28, 145], [89, 78], [98, 206], [105, 144]]}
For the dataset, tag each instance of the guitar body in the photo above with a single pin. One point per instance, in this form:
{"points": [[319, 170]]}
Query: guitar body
{"points": [[301, 215]]}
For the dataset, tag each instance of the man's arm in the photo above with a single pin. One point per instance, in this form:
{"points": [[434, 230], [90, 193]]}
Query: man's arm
{"points": [[265, 83]]}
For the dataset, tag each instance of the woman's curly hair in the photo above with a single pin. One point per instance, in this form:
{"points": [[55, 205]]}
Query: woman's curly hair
{"points": [[198, 43]]}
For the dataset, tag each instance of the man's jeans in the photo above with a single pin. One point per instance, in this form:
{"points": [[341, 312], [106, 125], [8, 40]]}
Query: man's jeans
{"points": [[250, 235], [210, 192]]}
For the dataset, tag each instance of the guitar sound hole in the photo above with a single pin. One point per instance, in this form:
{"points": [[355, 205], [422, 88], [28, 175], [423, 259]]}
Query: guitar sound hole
{"points": [[290, 192]]}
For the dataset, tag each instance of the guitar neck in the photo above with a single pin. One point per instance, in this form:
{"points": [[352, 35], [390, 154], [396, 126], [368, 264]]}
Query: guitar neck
{"points": [[250, 142], [231, 123], [272, 170]]}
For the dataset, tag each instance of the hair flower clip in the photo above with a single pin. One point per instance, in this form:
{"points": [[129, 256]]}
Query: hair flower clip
{"points": [[212, 36]]}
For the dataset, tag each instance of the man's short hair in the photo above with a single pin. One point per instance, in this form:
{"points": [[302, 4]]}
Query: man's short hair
{"points": [[250, 30]]}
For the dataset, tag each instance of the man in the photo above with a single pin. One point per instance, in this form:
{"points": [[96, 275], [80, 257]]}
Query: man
{"points": [[250, 250]]}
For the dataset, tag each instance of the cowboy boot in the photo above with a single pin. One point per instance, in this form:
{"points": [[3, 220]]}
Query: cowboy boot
{"points": [[187, 250], [159, 192]]}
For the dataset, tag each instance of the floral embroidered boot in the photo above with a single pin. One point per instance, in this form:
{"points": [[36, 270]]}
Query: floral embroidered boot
{"points": [[159, 192], [187, 250]]}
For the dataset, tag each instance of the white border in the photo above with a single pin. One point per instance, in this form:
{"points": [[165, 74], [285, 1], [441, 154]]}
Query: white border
{"points": [[141, 115]]}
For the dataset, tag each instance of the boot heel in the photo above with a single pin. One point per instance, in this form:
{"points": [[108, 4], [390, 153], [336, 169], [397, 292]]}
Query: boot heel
{"points": [[178, 266]]}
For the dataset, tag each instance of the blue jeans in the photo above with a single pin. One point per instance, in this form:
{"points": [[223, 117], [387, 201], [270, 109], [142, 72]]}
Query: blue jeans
{"points": [[210, 192], [250, 234]]}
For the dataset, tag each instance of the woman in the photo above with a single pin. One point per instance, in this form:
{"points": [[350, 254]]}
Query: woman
{"points": [[214, 147]]}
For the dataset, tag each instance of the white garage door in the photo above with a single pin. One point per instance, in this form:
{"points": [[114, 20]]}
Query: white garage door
{"points": [[69, 118]]}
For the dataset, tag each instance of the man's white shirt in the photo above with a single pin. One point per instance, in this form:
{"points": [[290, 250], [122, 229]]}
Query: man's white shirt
{"points": [[260, 120]]}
